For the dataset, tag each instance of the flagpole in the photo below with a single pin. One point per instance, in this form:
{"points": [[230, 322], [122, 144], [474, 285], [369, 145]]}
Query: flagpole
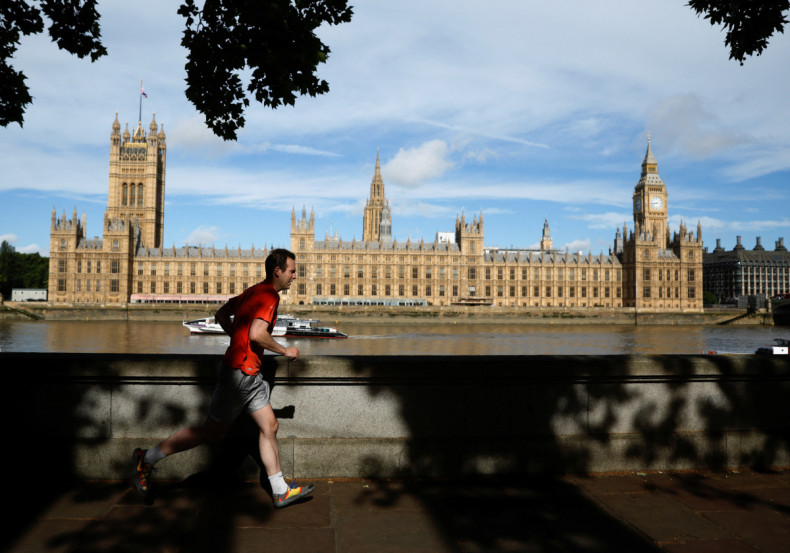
{"points": [[140, 113]]}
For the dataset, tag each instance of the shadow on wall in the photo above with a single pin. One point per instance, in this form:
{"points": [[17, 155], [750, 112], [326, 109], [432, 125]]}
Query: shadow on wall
{"points": [[465, 418]]}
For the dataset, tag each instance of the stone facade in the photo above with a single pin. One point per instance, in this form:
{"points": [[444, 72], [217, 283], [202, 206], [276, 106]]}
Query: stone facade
{"points": [[646, 269]]}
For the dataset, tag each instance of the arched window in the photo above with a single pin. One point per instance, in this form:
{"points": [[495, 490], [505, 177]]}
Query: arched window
{"points": [[124, 197], [131, 195], [140, 194]]}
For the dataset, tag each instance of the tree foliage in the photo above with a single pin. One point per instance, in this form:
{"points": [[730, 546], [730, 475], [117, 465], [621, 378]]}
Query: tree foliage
{"points": [[273, 40], [74, 27], [21, 270], [749, 23]]}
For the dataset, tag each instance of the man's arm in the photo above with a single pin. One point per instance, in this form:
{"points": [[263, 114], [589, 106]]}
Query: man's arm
{"points": [[224, 314], [261, 335]]}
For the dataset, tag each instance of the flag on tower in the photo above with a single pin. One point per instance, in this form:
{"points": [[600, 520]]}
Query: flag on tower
{"points": [[142, 91]]}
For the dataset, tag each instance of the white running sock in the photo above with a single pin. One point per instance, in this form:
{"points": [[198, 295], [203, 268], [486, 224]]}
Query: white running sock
{"points": [[153, 455], [278, 483]]}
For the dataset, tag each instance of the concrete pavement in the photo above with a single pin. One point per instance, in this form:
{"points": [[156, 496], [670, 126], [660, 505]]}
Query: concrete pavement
{"points": [[732, 512]]}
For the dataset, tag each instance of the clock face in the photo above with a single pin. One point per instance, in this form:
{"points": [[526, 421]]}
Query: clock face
{"points": [[656, 202], [637, 204]]}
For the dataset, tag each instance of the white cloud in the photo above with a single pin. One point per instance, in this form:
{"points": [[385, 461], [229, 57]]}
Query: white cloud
{"points": [[414, 166], [687, 125], [10, 238], [202, 235], [609, 220], [577, 246], [31, 248]]}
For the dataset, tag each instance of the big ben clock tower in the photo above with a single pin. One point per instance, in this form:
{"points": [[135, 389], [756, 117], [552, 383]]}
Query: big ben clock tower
{"points": [[650, 201]]}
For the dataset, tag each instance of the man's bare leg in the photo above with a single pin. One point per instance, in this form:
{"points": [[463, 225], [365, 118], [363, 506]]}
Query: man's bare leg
{"points": [[187, 438], [282, 494], [267, 440]]}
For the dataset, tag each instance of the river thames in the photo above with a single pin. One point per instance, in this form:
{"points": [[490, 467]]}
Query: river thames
{"points": [[372, 338]]}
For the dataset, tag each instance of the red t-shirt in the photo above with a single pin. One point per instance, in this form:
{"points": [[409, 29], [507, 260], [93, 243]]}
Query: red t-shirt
{"points": [[257, 302]]}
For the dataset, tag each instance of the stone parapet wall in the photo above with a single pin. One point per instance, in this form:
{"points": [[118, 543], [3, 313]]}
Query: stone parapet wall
{"points": [[437, 416]]}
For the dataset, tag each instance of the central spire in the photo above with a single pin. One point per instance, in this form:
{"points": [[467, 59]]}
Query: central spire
{"points": [[377, 221]]}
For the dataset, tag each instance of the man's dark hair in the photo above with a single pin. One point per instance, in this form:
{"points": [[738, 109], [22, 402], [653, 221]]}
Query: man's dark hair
{"points": [[277, 258]]}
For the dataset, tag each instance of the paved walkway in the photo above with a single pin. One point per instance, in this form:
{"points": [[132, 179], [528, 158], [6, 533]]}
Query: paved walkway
{"points": [[678, 512]]}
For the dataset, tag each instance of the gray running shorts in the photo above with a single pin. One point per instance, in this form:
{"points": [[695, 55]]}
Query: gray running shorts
{"points": [[237, 391]]}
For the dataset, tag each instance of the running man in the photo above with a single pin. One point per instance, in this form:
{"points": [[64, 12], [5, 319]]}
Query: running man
{"points": [[248, 319]]}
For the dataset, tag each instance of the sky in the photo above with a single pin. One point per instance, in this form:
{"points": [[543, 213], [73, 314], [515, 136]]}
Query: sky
{"points": [[522, 111]]}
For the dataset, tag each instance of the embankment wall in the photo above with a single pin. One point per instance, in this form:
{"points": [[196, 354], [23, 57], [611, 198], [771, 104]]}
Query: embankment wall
{"points": [[410, 315], [409, 416]]}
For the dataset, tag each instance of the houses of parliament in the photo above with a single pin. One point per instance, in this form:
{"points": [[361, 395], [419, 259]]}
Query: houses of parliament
{"points": [[648, 267]]}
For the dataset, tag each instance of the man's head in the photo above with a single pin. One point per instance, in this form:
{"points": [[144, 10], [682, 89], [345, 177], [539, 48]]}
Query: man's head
{"points": [[280, 268]]}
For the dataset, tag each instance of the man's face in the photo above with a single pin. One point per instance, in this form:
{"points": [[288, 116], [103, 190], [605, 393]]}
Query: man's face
{"points": [[283, 279]]}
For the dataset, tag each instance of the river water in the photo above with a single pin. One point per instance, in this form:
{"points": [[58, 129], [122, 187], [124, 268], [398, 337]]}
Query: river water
{"points": [[371, 338]]}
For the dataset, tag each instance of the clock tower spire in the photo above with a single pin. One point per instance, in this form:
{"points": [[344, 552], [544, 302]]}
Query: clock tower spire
{"points": [[650, 201]]}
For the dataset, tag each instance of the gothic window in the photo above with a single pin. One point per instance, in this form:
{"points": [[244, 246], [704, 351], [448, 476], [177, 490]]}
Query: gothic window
{"points": [[131, 194], [139, 194], [124, 195]]}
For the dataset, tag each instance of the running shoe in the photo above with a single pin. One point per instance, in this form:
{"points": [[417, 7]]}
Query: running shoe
{"points": [[142, 471], [295, 493]]}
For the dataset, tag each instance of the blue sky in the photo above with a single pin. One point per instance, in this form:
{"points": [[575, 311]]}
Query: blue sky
{"points": [[524, 110]]}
